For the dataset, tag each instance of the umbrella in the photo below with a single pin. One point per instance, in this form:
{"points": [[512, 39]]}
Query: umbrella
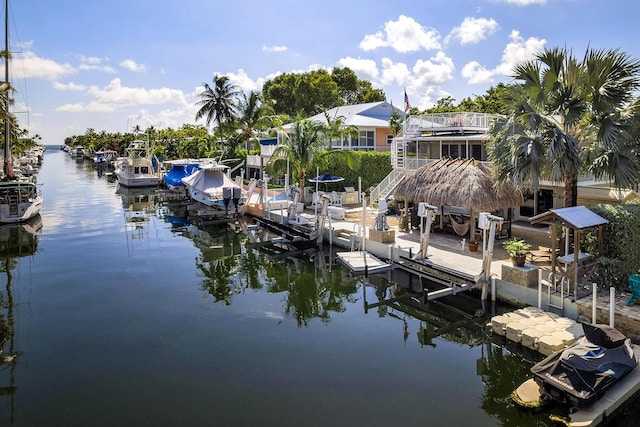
{"points": [[326, 178]]}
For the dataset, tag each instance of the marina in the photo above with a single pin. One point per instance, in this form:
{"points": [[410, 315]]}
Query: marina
{"points": [[191, 306]]}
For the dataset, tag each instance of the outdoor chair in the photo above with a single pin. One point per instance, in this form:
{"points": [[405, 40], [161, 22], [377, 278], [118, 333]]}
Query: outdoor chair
{"points": [[634, 285]]}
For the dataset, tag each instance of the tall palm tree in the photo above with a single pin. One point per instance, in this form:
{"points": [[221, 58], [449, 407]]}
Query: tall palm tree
{"points": [[300, 148], [218, 103], [569, 116], [336, 128], [251, 117]]}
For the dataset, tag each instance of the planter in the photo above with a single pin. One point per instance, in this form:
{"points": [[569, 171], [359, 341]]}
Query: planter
{"points": [[473, 247], [518, 260]]}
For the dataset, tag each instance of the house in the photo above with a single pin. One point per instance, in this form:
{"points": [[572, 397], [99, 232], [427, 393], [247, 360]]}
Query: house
{"points": [[371, 120], [429, 137]]}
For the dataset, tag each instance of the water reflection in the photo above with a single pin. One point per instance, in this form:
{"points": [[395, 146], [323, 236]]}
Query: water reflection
{"points": [[16, 241], [139, 205]]}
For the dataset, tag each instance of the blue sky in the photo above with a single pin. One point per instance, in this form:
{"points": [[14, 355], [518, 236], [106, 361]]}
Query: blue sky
{"points": [[111, 65]]}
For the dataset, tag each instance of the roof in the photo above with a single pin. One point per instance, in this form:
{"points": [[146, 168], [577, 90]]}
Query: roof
{"points": [[465, 183], [576, 217], [372, 114]]}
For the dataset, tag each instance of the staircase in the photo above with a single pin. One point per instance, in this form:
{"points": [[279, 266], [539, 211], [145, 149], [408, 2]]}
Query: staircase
{"points": [[386, 186]]}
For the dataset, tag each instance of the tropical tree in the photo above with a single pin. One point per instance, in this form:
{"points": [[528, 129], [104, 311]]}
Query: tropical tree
{"points": [[299, 149], [252, 117], [568, 116], [218, 104], [335, 129]]}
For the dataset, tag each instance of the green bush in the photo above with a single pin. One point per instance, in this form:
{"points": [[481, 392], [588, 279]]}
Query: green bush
{"points": [[620, 243]]}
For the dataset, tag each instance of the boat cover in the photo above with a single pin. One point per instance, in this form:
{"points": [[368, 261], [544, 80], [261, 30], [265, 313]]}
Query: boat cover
{"points": [[581, 373], [173, 178], [210, 180]]}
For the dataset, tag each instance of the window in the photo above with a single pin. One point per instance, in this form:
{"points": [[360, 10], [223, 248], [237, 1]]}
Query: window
{"points": [[366, 140], [454, 150]]}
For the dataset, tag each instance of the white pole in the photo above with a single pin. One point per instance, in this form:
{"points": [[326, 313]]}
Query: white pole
{"points": [[359, 188], [286, 177], [540, 289], [612, 305], [317, 199], [594, 320], [364, 221]]}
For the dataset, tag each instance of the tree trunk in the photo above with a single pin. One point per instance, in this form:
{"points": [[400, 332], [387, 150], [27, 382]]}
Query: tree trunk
{"points": [[570, 190]]}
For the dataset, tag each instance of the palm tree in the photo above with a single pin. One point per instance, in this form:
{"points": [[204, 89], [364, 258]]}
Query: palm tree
{"points": [[336, 129], [300, 148], [251, 117], [218, 103], [569, 116]]}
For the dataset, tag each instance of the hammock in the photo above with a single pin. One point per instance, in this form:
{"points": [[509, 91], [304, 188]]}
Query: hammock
{"points": [[460, 229]]}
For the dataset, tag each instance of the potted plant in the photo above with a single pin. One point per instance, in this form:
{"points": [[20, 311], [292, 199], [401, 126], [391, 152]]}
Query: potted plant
{"points": [[517, 250]]}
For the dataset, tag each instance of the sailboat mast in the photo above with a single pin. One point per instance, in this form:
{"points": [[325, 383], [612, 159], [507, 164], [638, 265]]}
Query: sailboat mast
{"points": [[5, 98]]}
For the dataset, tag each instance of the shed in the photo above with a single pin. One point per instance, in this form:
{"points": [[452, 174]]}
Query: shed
{"points": [[576, 218]]}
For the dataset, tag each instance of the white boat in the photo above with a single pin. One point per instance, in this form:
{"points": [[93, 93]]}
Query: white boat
{"points": [[137, 168], [77, 152], [212, 187], [20, 200], [105, 158]]}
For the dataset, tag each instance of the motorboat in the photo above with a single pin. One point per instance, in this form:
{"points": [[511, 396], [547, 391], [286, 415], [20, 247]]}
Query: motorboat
{"points": [[77, 152], [211, 186], [179, 169], [20, 199], [137, 169], [105, 158], [583, 372]]}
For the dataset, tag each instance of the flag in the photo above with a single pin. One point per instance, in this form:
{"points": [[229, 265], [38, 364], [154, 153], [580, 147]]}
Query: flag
{"points": [[407, 106]]}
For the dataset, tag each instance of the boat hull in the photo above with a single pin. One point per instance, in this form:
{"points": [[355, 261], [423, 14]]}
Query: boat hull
{"points": [[19, 203]]}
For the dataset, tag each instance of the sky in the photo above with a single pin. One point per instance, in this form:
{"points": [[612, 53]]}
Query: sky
{"points": [[113, 64]]}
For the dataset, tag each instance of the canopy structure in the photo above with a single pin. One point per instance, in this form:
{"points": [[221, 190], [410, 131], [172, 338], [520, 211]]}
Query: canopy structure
{"points": [[575, 218], [466, 183]]}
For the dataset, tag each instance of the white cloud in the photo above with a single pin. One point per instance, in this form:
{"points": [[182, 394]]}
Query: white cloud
{"points": [[94, 63], [394, 72], [436, 71], [517, 51], [476, 73], [246, 83], [68, 86], [404, 35], [473, 30], [365, 69], [32, 66], [115, 96], [71, 108], [132, 65], [276, 49]]}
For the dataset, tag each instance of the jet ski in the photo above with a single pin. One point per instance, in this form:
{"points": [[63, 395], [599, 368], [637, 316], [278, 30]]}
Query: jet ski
{"points": [[580, 374]]}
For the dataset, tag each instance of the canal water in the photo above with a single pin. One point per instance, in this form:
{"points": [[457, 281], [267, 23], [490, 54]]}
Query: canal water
{"points": [[116, 312]]}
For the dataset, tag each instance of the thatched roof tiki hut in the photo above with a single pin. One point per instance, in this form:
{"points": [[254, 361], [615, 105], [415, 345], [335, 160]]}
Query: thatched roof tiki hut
{"points": [[465, 183]]}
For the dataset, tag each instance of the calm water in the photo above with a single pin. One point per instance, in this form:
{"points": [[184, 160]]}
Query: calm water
{"points": [[117, 315]]}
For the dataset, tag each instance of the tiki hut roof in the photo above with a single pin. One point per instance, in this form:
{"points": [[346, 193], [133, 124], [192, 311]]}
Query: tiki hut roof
{"points": [[457, 182]]}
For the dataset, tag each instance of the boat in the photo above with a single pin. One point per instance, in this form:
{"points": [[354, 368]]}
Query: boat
{"points": [[77, 152], [137, 169], [179, 169], [584, 371], [211, 186], [20, 199], [105, 158]]}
